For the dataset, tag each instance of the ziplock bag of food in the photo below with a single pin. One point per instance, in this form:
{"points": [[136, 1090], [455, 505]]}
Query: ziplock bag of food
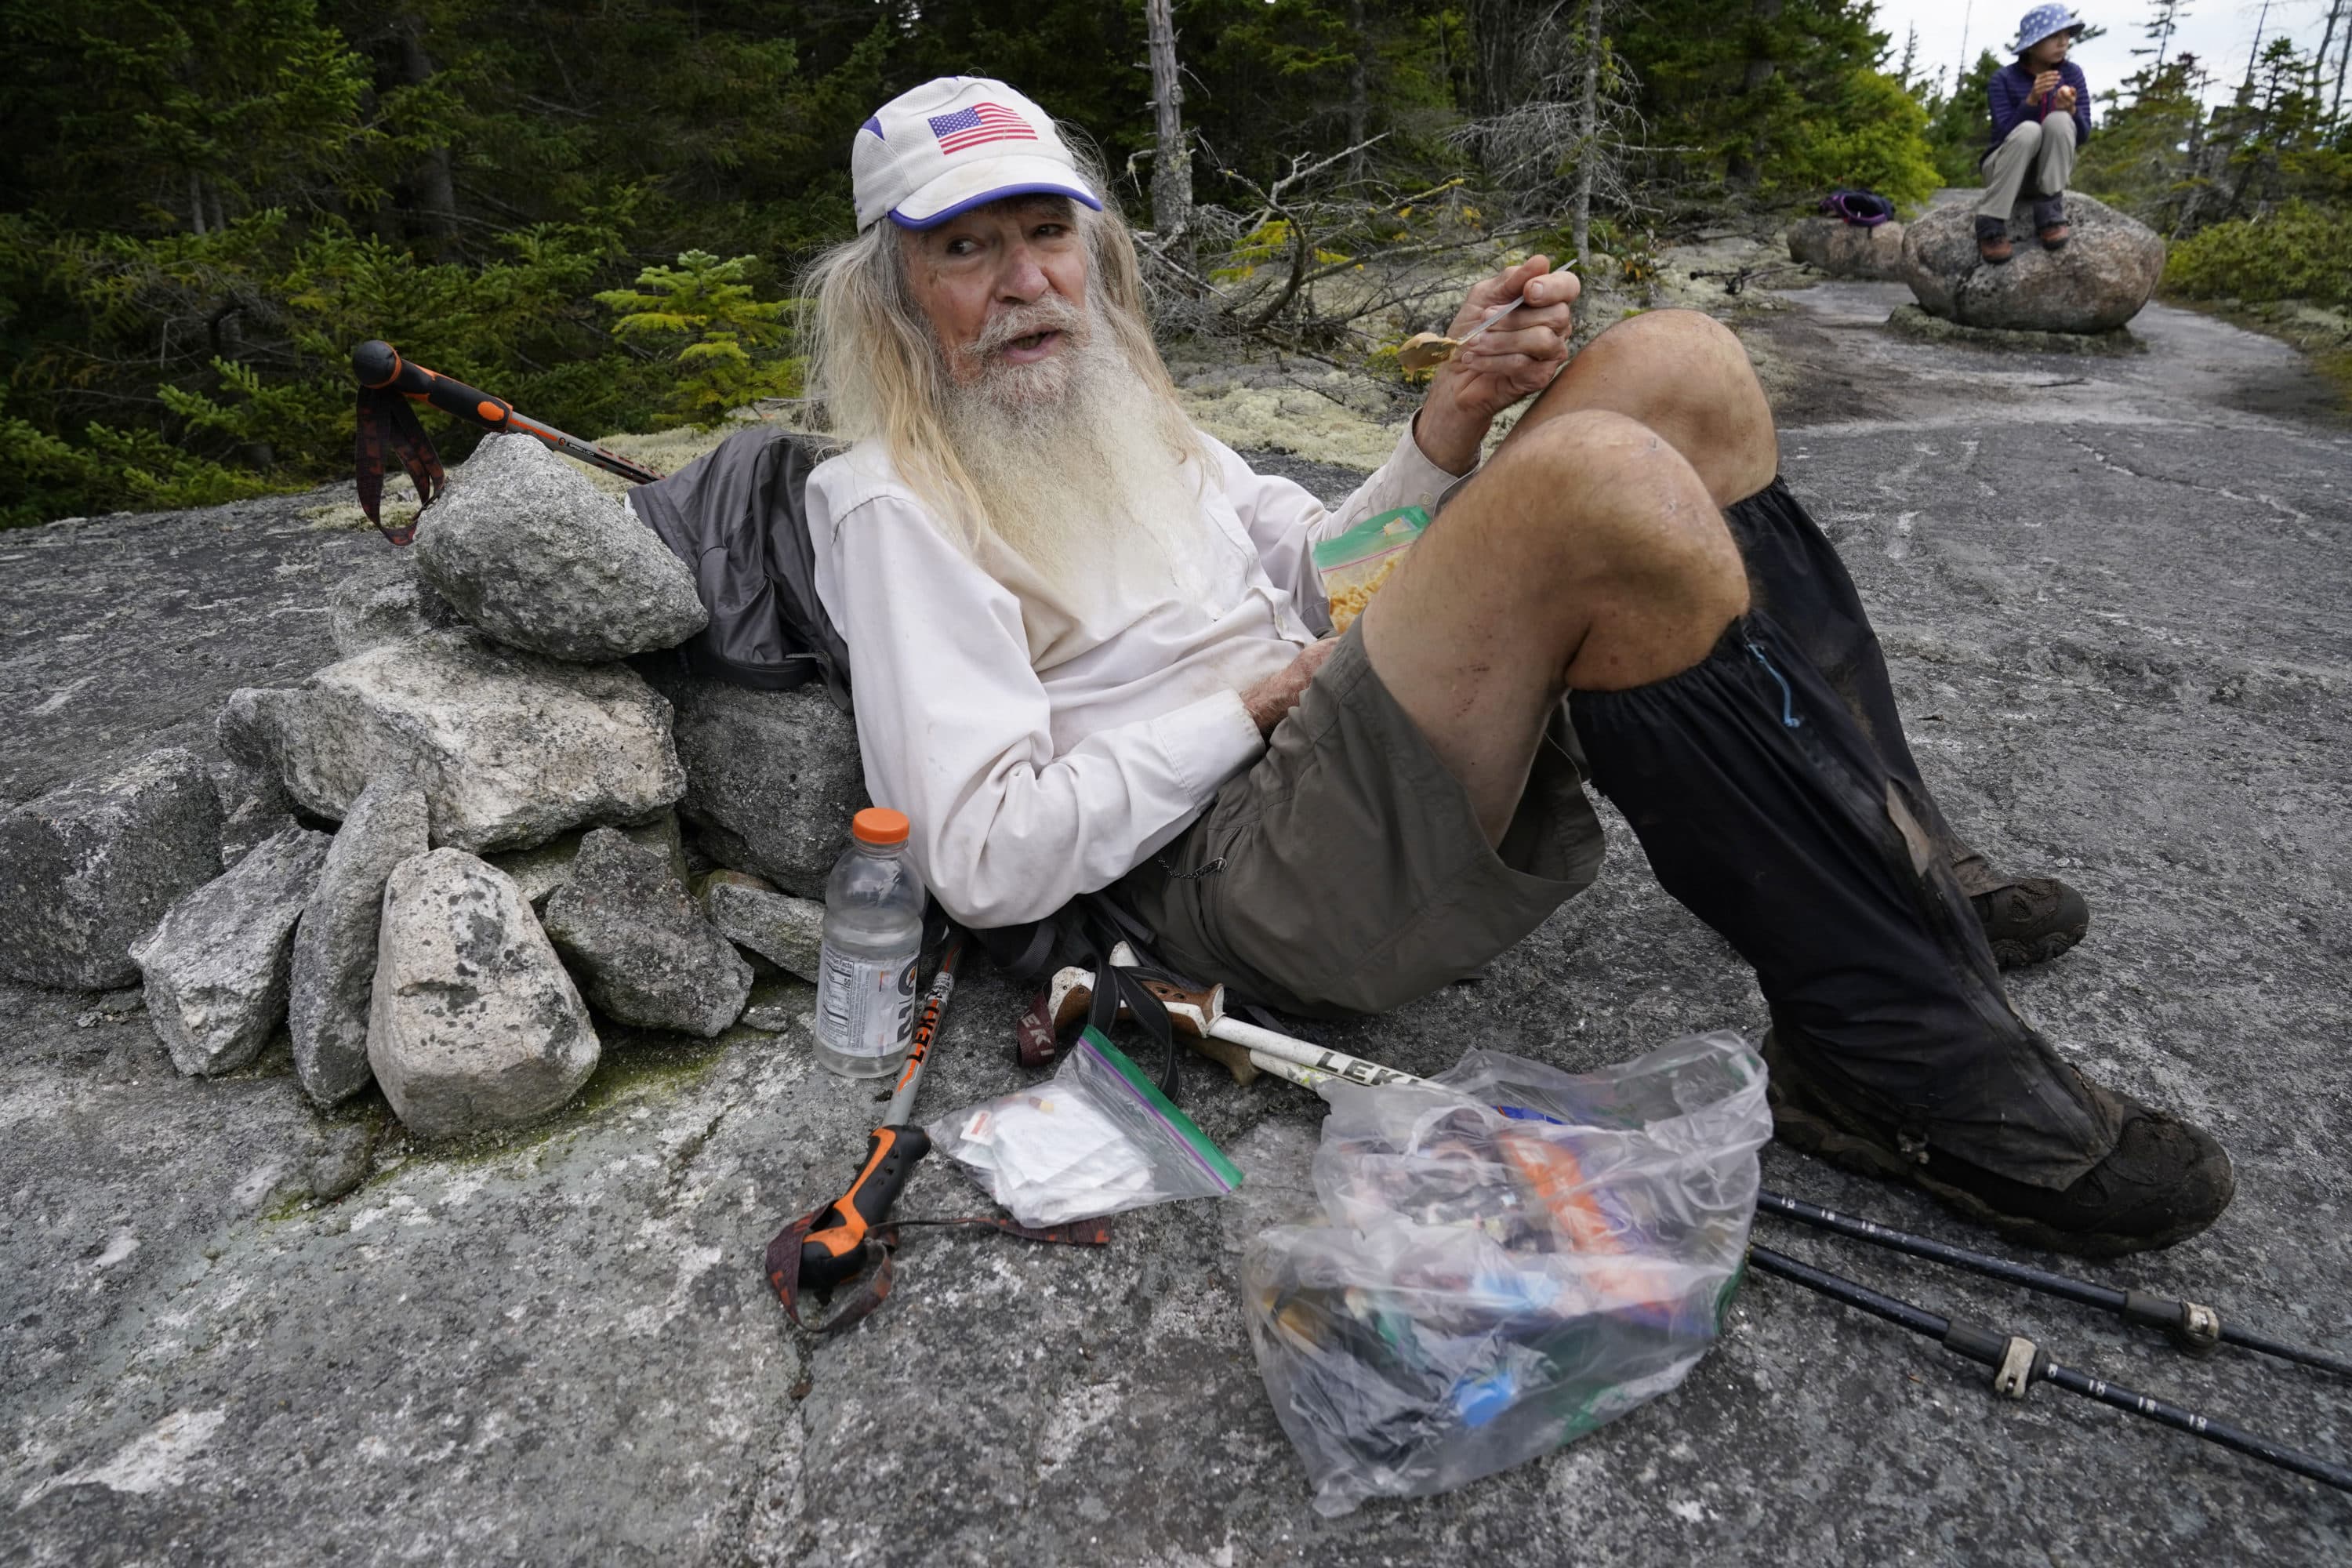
{"points": [[1095, 1137], [1506, 1260], [1354, 565]]}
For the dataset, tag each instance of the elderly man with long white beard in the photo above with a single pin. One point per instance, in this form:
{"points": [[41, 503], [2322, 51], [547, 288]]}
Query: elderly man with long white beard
{"points": [[1084, 638]]}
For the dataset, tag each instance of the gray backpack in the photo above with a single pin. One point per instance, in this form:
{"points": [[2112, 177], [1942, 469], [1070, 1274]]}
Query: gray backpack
{"points": [[735, 516]]}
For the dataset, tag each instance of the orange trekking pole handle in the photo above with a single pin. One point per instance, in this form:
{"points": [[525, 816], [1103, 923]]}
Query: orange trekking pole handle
{"points": [[380, 368], [835, 1245]]}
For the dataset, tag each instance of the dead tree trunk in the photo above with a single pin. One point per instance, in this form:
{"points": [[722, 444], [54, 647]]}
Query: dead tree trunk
{"points": [[1359, 100], [2319, 60], [2343, 64], [436, 190], [1171, 159], [1588, 132], [1761, 68]]}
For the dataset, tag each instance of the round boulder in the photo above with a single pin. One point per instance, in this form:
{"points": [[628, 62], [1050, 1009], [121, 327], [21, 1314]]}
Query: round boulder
{"points": [[1845, 249], [2097, 281]]}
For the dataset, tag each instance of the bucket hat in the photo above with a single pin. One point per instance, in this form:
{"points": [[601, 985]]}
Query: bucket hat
{"points": [[2040, 23]]}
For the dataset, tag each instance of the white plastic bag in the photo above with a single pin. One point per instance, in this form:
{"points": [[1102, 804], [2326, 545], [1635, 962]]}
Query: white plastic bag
{"points": [[1509, 1261], [1095, 1137]]}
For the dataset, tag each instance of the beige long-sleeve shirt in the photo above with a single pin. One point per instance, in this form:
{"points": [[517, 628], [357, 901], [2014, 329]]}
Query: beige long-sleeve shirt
{"points": [[1044, 740]]}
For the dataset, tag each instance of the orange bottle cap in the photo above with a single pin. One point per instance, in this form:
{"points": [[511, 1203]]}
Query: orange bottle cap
{"points": [[880, 824]]}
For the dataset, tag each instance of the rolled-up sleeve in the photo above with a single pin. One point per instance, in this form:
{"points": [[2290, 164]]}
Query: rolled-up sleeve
{"points": [[1286, 521], [957, 730]]}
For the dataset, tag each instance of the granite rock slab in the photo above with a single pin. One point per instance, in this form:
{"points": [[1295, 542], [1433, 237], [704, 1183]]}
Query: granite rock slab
{"points": [[523, 545], [510, 749], [474, 1024], [772, 777], [646, 954], [216, 969], [89, 868], [787, 931], [335, 944]]}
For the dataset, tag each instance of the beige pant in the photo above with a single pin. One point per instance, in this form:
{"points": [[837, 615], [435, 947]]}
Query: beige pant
{"points": [[2043, 148]]}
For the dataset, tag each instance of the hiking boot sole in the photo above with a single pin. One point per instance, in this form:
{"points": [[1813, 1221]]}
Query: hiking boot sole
{"points": [[2016, 953], [1811, 1127]]}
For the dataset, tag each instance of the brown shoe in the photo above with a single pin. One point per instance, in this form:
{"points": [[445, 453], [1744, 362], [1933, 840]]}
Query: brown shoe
{"points": [[1992, 240], [2050, 222]]}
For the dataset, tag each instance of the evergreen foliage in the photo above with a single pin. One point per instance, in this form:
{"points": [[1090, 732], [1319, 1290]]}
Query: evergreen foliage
{"points": [[202, 208]]}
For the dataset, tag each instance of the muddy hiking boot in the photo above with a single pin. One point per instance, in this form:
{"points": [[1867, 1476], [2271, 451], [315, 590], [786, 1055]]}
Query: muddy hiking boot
{"points": [[2164, 1181], [1766, 810], [1992, 240], [2031, 920], [2050, 222]]}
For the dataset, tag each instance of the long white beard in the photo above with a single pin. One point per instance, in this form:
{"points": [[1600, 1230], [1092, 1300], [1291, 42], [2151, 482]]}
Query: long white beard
{"points": [[1073, 465]]}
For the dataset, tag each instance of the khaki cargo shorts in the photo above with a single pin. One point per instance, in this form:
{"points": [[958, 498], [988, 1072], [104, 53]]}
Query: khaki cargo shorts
{"points": [[1346, 872]]}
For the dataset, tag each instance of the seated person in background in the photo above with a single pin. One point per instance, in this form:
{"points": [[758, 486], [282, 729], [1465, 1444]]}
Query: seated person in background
{"points": [[2040, 113]]}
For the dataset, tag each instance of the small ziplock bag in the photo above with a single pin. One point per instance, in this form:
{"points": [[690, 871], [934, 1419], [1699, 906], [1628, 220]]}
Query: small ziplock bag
{"points": [[1354, 565], [1095, 1137], [1508, 1256]]}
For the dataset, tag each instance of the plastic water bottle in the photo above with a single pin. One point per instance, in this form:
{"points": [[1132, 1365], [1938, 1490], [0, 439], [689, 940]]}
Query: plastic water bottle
{"points": [[873, 943]]}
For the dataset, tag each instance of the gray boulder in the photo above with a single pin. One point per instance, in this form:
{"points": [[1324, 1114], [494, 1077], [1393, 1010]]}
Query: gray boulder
{"points": [[772, 777], [253, 800], [541, 869], [247, 727], [335, 945], [510, 749], [2097, 281], [474, 1024], [387, 604], [217, 966], [260, 812], [1844, 249], [89, 869], [526, 548], [645, 952], [785, 930]]}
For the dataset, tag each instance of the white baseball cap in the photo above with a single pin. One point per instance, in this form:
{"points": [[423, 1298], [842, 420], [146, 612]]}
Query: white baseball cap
{"points": [[954, 144]]}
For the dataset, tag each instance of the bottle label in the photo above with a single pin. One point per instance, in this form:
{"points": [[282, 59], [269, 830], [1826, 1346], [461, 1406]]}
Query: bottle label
{"points": [[864, 1008]]}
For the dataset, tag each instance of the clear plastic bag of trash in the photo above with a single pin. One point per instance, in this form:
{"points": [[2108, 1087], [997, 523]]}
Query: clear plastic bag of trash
{"points": [[1506, 1261], [1095, 1137]]}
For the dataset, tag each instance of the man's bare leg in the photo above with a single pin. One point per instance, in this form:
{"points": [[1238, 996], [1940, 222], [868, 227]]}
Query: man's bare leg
{"points": [[1588, 555], [1591, 558]]}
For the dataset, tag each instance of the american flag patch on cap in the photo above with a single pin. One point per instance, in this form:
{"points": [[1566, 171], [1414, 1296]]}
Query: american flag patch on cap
{"points": [[980, 123]]}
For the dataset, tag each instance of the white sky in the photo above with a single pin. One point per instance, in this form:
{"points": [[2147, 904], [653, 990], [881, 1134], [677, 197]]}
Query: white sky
{"points": [[2218, 32]]}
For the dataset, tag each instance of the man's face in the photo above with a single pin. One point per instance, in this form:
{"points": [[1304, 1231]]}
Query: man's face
{"points": [[1002, 286]]}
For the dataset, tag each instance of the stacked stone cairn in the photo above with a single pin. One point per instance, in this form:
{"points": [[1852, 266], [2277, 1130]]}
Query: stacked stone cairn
{"points": [[439, 861]]}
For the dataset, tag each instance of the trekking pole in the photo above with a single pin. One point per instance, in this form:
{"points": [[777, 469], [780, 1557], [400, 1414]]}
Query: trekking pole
{"points": [[833, 1244], [380, 368], [2194, 1328], [2018, 1363], [386, 424], [1199, 1014], [836, 1244]]}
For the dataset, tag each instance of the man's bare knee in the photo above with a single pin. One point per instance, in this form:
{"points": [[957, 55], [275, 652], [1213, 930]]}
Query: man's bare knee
{"points": [[1615, 503], [1687, 377]]}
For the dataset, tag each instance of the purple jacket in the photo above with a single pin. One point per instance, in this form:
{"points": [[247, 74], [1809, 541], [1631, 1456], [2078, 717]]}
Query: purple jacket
{"points": [[2013, 99]]}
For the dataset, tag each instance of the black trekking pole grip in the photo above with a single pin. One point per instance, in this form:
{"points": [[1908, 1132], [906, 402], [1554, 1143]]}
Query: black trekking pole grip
{"points": [[836, 1247], [380, 367]]}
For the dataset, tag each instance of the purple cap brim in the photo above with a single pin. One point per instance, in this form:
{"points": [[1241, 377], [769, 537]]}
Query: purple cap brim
{"points": [[1023, 188]]}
